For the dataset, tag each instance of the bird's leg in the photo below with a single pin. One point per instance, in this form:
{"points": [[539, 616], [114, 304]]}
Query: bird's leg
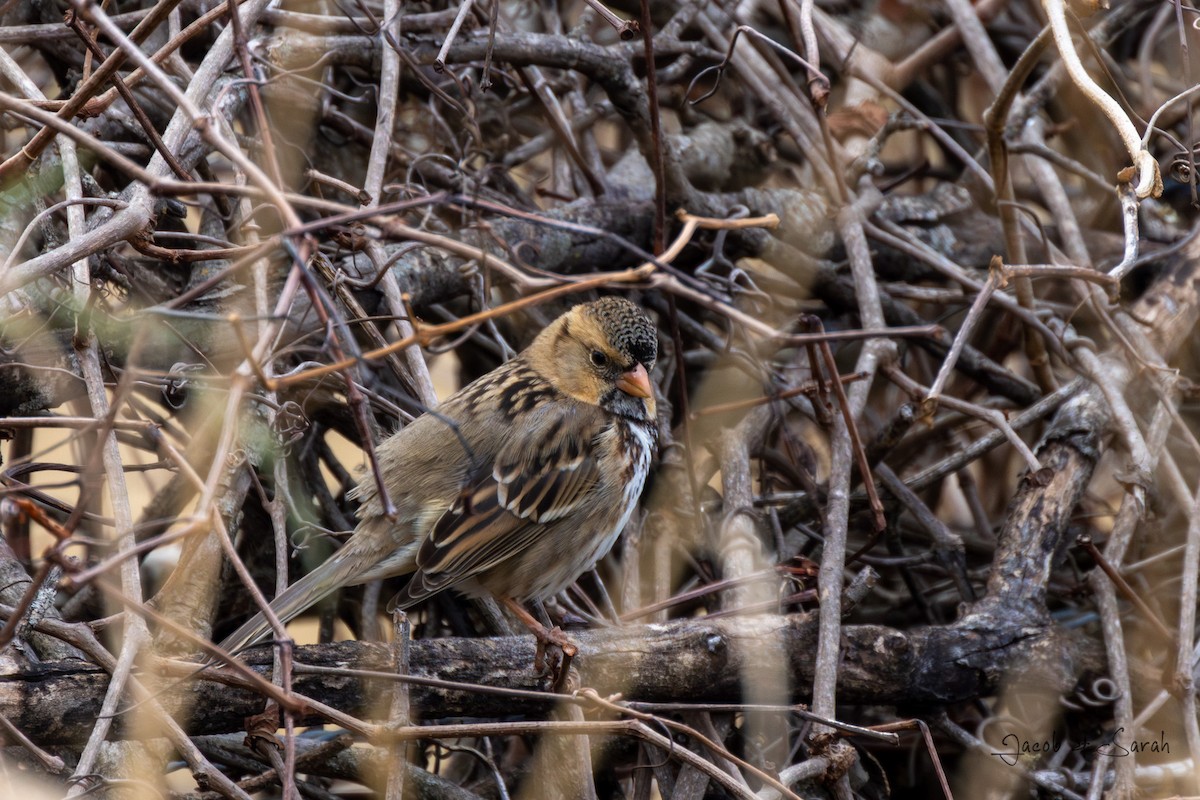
{"points": [[550, 641], [541, 614]]}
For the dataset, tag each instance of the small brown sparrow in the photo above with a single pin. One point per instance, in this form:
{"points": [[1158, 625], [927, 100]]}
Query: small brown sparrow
{"points": [[547, 463]]}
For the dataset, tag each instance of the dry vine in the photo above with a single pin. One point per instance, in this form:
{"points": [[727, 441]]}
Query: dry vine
{"points": [[925, 520]]}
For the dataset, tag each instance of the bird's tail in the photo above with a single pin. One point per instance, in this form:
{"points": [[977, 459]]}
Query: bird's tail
{"points": [[316, 585]]}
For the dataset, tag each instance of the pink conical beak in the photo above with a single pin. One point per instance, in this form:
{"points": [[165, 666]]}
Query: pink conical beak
{"points": [[635, 382]]}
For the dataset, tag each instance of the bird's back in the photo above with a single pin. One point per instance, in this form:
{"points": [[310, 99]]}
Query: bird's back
{"points": [[430, 463]]}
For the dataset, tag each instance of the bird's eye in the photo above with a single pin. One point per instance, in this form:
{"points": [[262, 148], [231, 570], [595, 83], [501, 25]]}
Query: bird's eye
{"points": [[599, 359]]}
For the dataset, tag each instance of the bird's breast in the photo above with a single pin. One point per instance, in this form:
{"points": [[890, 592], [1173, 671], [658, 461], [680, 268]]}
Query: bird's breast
{"points": [[637, 441], [634, 449]]}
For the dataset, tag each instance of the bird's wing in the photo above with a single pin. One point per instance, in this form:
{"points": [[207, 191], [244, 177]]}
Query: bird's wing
{"points": [[541, 474]]}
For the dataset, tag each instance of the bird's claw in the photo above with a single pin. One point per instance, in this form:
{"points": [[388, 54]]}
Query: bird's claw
{"points": [[555, 651]]}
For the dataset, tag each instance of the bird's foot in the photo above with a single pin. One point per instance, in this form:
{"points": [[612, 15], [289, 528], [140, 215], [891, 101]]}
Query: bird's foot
{"points": [[555, 651]]}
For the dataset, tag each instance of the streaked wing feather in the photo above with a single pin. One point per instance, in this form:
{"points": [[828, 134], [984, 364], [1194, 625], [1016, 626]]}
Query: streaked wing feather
{"points": [[537, 479]]}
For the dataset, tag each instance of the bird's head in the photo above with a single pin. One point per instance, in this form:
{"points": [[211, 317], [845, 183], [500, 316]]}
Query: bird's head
{"points": [[601, 353]]}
